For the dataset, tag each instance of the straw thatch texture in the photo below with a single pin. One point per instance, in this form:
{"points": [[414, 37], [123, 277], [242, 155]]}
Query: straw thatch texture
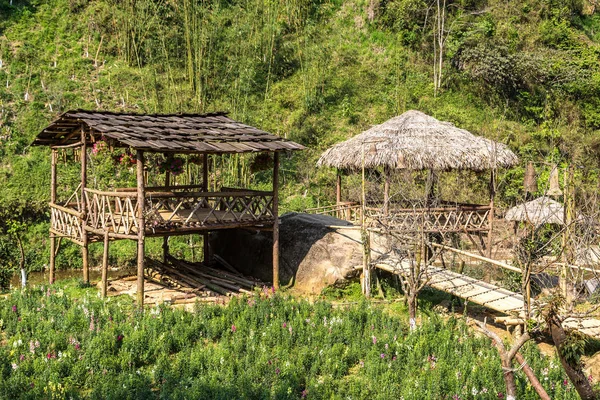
{"points": [[542, 210], [416, 141]]}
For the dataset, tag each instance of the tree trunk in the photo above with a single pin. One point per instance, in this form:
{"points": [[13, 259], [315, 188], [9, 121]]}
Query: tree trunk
{"points": [[575, 374], [509, 378], [412, 311], [22, 261]]}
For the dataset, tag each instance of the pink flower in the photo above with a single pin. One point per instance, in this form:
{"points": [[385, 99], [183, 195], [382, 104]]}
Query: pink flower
{"points": [[284, 325], [374, 340], [304, 393], [394, 358], [14, 309], [233, 328], [382, 355], [21, 357], [119, 338], [500, 395], [277, 371]]}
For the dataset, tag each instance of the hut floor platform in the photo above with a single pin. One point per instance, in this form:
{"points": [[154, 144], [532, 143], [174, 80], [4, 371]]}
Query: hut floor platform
{"points": [[182, 282], [485, 294]]}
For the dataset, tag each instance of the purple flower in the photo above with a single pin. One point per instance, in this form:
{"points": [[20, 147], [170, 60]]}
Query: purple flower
{"points": [[14, 309], [21, 357], [277, 371], [500, 395], [304, 393], [119, 338], [456, 397], [382, 355], [284, 325]]}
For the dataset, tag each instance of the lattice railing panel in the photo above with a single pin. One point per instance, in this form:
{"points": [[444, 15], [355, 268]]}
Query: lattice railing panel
{"points": [[431, 220], [66, 222]]}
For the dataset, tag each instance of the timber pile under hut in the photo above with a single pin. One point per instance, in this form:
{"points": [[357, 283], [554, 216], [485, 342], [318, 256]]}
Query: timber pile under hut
{"points": [[111, 214]]}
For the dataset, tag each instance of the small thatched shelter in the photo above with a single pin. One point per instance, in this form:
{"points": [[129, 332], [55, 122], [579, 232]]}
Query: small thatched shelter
{"points": [[542, 210], [416, 141]]}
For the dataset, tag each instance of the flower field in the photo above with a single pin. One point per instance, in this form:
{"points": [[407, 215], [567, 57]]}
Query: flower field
{"points": [[65, 342]]}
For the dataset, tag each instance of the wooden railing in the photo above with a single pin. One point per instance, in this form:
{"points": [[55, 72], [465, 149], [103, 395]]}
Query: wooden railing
{"points": [[466, 219], [348, 211], [114, 212], [166, 211], [66, 222]]}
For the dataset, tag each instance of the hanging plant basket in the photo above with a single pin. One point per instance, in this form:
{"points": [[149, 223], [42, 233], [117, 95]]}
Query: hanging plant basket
{"points": [[171, 164]]}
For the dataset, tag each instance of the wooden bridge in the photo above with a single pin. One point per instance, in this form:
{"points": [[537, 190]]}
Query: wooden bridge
{"points": [[483, 293]]}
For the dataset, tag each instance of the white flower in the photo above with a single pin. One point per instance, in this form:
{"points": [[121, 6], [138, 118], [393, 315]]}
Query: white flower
{"points": [[14, 366], [474, 391]]}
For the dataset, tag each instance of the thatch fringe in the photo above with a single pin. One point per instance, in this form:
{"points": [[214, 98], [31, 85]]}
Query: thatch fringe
{"points": [[542, 210], [416, 141]]}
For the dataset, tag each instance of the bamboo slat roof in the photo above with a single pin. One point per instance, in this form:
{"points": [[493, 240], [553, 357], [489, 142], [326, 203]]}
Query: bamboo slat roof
{"points": [[416, 141], [177, 133], [542, 210]]}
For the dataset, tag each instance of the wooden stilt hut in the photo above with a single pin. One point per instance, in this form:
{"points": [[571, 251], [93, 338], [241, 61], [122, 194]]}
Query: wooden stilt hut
{"points": [[415, 141], [114, 214]]}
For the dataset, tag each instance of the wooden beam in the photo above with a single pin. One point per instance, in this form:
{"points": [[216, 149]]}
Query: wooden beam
{"points": [[276, 223], [53, 157], [105, 266], [141, 229], [84, 248], [67, 146]]}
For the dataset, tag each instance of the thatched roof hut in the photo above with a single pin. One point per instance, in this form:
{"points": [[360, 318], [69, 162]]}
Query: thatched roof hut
{"points": [[416, 141], [542, 210]]}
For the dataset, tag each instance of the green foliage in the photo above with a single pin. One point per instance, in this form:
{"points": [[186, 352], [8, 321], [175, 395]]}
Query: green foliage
{"points": [[313, 71], [66, 342]]}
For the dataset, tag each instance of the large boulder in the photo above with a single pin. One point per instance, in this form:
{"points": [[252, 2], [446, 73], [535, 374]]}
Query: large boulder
{"points": [[313, 253]]}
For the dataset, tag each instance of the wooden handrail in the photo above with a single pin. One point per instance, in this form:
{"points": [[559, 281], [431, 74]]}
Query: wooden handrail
{"points": [[66, 210], [239, 193], [426, 210], [113, 194]]}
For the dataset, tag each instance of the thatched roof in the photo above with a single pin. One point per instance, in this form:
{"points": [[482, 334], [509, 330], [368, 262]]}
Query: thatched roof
{"points": [[542, 210], [416, 141]]}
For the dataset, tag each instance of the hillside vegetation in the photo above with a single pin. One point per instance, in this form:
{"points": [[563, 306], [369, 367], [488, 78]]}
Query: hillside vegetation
{"points": [[524, 73]]}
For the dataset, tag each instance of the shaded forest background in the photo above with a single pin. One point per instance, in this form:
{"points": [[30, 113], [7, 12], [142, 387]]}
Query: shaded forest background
{"points": [[523, 73]]}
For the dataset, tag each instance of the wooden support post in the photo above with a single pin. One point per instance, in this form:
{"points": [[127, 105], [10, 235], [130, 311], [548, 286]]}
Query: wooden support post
{"points": [[490, 237], [366, 278], [165, 245], [53, 157], [105, 266], [141, 228], [386, 191], [338, 187], [205, 236], [276, 223], [568, 256], [84, 249]]}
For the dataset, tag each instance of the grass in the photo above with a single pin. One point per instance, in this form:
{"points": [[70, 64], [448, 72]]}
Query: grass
{"points": [[65, 342]]}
